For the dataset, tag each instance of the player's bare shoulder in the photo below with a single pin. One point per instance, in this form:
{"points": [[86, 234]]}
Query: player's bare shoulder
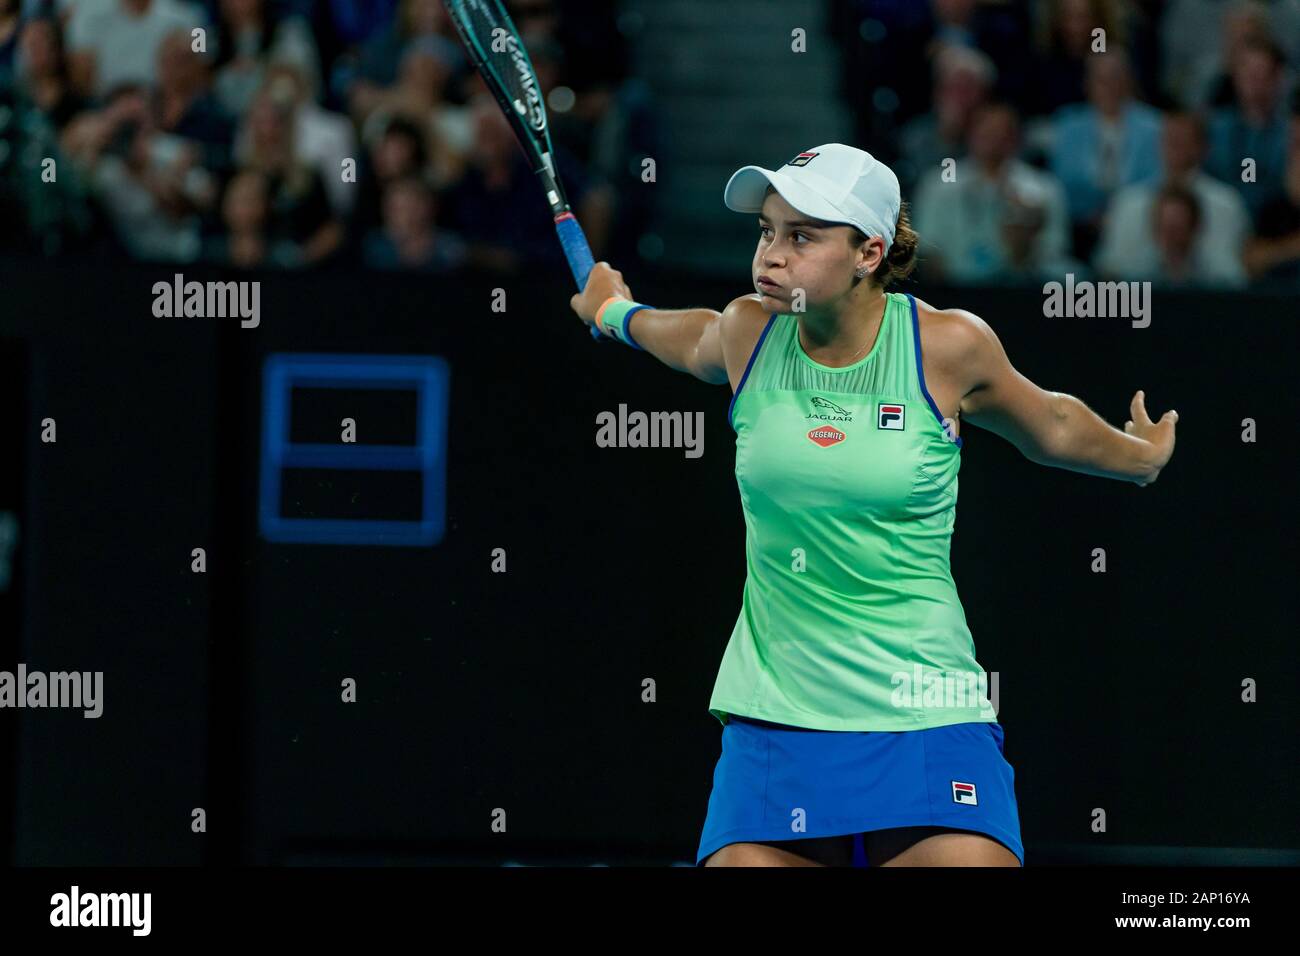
{"points": [[741, 324], [950, 338]]}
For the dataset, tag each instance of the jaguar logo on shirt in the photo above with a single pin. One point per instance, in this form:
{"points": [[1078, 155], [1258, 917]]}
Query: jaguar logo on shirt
{"points": [[827, 411], [826, 435]]}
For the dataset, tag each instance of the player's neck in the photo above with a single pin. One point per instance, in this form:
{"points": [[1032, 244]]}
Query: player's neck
{"points": [[834, 334]]}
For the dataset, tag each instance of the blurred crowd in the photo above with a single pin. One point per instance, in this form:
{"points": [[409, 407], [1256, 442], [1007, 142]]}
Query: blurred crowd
{"points": [[1115, 139], [1173, 156], [293, 134]]}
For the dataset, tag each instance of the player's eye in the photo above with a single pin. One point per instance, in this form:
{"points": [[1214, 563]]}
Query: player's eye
{"points": [[766, 229]]}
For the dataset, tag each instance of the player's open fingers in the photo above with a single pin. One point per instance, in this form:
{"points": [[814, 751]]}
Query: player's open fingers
{"points": [[1138, 409]]}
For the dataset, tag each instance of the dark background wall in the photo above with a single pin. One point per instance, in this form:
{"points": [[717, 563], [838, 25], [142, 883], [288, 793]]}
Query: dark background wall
{"points": [[522, 690]]}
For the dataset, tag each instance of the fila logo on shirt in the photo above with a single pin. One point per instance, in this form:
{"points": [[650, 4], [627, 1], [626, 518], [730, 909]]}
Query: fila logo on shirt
{"points": [[963, 793], [890, 416]]}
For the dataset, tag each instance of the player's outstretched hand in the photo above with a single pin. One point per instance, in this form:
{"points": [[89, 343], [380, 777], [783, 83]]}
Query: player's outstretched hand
{"points": [[1159, 435], [603, 282]]}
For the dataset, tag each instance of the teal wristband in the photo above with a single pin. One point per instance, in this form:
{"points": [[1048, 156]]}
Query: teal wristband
{"points": [[615, 321]]}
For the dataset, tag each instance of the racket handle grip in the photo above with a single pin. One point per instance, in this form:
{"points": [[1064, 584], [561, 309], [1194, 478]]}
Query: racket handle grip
{"points": [[574, 243]]}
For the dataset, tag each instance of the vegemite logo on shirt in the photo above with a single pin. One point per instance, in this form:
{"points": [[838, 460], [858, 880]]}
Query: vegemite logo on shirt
{"points": [[827, 411], [889, 415], [826, 435], [803, 159]]}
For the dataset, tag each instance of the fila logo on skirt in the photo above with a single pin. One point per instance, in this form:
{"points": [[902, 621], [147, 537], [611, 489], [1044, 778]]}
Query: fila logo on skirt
{"points": [[890, 416], [963, 793]]}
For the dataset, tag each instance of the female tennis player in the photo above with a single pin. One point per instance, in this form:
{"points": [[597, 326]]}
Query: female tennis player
{"points": [[843, 740]]}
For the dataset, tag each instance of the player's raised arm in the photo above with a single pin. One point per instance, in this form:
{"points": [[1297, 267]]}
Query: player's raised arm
{"points": [[1053, 428], [688, 340]]}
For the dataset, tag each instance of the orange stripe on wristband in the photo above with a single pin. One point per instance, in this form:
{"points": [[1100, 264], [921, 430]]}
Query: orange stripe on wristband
{"points": [[603, 306]]}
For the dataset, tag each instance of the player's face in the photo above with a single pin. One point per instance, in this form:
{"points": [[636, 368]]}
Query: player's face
{"points": [[799, 253]]}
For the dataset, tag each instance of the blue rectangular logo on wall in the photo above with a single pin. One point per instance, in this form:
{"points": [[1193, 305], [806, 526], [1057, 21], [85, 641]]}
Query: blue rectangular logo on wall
{"points": [[421, 380]]}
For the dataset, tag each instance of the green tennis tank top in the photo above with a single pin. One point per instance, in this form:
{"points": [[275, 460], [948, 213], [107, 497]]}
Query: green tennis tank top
{"points": [[848, 480]]}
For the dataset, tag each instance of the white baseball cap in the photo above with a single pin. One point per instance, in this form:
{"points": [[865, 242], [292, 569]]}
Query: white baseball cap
{"points": [[833, 182]]}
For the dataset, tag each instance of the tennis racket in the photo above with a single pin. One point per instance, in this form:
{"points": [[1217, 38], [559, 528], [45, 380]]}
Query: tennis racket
{"points": [[500, 58]]}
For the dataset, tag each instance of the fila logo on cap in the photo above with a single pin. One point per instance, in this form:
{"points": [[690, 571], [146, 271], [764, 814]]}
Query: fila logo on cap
{"points": [[890, 416], [803, 159], [963, 793]]}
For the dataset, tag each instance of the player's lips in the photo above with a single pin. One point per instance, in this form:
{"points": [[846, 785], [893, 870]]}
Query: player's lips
{"points": [[765, 283]]}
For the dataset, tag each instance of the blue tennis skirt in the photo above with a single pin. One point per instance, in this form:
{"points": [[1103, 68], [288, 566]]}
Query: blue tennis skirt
{"points": [[777, 782]]}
